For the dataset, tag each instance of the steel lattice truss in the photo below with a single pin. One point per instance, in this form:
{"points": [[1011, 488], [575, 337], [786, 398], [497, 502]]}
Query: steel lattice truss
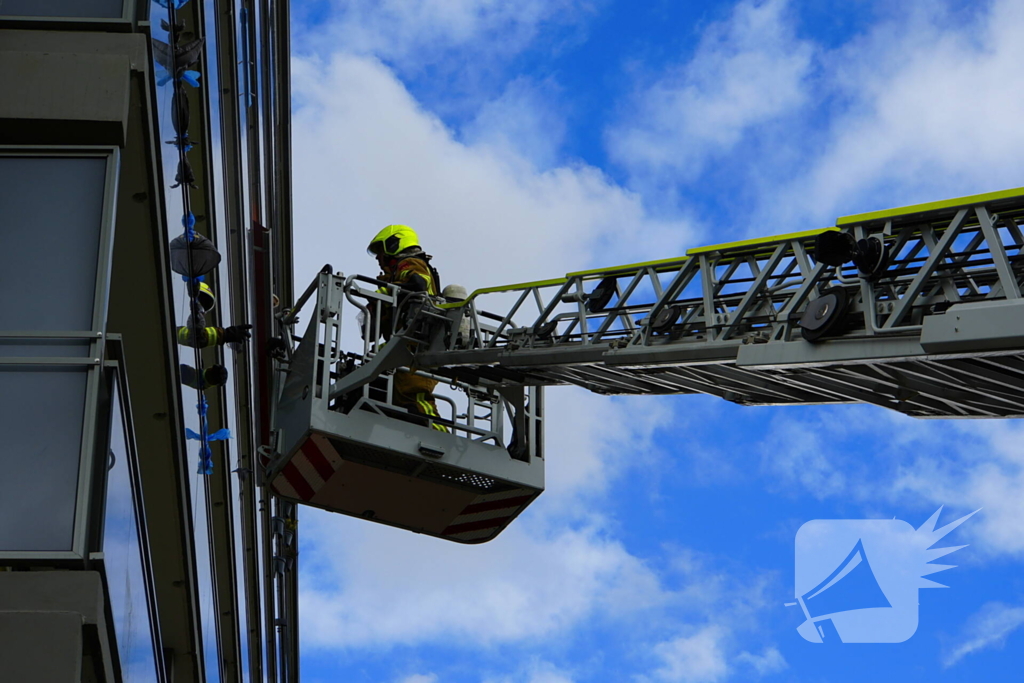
{"points": [[936, 331]]}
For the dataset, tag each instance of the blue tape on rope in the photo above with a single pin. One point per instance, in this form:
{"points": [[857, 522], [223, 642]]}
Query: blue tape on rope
{"points": [[190, 76], [219, 435], [205, 460]]}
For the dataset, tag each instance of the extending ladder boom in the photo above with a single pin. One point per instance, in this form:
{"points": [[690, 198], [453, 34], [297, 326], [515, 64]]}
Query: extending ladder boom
{"points": [[921, 314]]}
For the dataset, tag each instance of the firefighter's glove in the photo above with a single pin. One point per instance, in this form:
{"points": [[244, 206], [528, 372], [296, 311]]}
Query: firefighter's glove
{"points": [[237, 333]]}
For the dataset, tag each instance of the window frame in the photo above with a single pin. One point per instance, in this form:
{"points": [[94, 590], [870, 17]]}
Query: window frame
{"points": [[116, 375], [93, 362]]}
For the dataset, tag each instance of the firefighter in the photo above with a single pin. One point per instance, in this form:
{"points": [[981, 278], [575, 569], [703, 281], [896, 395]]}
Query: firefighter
{"points": [[202, 336], [197, 335], [403, 262]]}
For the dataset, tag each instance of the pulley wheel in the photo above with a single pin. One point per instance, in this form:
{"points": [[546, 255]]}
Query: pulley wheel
{"points": [[834, 248], [601, 295], [665, 318], [825, 314], [545, 330], [872, 257]]}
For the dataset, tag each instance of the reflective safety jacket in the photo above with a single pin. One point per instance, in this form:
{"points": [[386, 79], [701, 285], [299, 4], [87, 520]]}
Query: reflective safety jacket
{"points": [[415, 274], [204, 337]]}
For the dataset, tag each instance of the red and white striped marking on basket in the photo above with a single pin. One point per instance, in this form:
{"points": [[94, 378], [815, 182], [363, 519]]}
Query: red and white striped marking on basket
{"points": [[311, 466], [487, 514], [316, 461]]}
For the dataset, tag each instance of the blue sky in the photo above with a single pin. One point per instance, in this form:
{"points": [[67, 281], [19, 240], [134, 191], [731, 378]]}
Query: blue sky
{"points": [[525, 139]]}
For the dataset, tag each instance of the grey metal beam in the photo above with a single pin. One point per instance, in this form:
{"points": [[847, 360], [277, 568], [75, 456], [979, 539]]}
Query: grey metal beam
{"points": [[216, 486], [921, 277], [995, 244], [236, 220]]}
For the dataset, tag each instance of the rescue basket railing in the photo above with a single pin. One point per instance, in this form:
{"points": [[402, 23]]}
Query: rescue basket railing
{"points": [[385, 327]]}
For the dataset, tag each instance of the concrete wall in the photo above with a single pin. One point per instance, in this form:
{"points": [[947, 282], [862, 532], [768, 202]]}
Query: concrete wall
{"points": [[63, 88], [51, 622]]}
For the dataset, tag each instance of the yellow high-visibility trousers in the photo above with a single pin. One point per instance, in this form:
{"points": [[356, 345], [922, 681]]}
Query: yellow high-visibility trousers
{"points": [[417, 394]]}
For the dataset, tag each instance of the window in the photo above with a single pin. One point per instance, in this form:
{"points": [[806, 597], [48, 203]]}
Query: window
{"points": [[56, 236], [125, 559]]}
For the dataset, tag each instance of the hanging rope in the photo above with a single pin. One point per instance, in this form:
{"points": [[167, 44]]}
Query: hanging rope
{"points": [[191, 252]]}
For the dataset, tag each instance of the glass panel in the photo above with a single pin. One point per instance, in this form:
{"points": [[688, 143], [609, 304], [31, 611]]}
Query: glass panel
{"points": [[103, 9], [122, 555], [41, 421], [52, 211]]}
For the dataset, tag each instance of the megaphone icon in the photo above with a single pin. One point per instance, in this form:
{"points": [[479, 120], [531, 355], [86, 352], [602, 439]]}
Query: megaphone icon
{"points": [[851, 586]]}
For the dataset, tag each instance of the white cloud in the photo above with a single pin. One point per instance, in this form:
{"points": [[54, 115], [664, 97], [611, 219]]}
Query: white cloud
{"points": [[923, 112], [912, 110], [696, 658], [717, 609], [770, 661], [536, 671], [366, 155], [883, 460], [377, 587], [420, 678], [800, 452], [592, 440], [412, 34], [746, 71], [988, 628], [983, 468], [702, 655], [523, 122]]}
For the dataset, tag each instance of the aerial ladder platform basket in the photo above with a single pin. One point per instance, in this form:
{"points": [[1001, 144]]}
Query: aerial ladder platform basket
{"points": [[342, 445]]}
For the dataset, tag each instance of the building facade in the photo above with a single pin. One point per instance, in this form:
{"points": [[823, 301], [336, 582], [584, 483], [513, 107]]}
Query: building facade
{"points": [[118, 560]]}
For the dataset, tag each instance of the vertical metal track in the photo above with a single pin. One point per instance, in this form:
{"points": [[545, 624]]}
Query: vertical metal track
{"points": [[270, 510], [260, 169], [273, 276], [217, 486], [280, 36], [232, 106]]}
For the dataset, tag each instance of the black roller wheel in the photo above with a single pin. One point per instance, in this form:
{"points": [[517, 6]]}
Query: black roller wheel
{"points": [[602, 294], [545, 330], [665, 319], [825, 315], [834, 248], [872, 257]]}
